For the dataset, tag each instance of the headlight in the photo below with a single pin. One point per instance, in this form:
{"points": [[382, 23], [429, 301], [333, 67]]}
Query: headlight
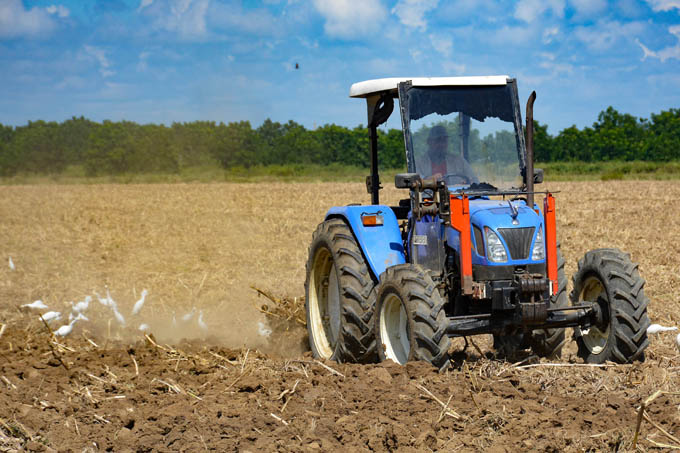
{"points": [[495, 250], [538, 253]]}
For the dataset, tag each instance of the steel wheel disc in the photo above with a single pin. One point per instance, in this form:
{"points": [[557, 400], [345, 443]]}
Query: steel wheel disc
{"points": [[594, 338], [324, 304], [394, 330]]}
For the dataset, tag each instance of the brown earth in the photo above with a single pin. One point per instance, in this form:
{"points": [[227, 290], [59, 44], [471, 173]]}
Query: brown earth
{"points": [[229, 386]]}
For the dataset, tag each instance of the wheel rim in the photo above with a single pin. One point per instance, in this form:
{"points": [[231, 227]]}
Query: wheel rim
{"points": [[394, 330], [324, 304], [594, 338]]}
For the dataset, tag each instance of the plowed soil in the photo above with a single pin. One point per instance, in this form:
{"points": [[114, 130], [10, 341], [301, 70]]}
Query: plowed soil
{"points": [[228, 384]]}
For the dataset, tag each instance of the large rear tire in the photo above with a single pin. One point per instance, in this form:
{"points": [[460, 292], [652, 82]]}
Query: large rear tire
{"points": [[610, 278], [339, 296], [549, 342], [410, 322]]}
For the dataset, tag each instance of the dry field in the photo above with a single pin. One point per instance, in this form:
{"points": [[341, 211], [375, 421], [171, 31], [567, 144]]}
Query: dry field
{"points": [[232, 385]]}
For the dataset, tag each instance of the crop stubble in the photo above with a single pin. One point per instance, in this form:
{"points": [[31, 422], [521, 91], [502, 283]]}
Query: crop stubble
{"points": [[205, 245]]}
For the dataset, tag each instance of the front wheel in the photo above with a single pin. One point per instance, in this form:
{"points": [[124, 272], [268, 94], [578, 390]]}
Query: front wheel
{"points": [[610, 279], [410, 323]]}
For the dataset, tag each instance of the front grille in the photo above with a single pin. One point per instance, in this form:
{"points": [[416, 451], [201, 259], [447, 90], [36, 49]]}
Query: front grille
{"points": [[518, 241]]}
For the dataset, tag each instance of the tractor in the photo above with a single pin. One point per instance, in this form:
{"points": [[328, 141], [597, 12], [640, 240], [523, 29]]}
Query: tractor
{"points": [[469, 251]]}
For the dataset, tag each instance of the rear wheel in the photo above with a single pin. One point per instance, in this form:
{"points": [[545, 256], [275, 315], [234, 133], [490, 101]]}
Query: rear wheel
{"points": [[410, 321], [609, 278], [339, 296]]}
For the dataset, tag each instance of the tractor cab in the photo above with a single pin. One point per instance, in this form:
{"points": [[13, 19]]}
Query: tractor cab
{"points": [[464, 133], [464, 130]]}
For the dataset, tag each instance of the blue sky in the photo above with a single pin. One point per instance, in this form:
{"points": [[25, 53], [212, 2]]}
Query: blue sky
{"points": [[164, 61]]}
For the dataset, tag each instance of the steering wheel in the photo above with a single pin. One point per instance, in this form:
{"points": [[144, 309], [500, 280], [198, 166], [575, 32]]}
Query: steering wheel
{"points": [[466, 179]]}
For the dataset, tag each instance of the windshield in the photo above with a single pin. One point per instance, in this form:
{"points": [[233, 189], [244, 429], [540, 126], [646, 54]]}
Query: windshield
{"points": [[466, 135]]}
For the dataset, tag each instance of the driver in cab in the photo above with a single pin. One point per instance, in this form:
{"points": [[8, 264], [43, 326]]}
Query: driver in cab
{"points": [[442, 163]]}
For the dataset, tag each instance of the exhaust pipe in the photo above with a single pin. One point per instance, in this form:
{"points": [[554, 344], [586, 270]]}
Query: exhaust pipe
{"points": [[529, 169]]}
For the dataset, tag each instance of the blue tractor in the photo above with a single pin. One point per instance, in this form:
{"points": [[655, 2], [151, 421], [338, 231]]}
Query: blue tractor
{"points": [[468, 251]]}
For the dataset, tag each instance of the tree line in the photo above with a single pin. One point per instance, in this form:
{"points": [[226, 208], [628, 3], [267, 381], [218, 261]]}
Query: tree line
{"points": [[112, 147]]}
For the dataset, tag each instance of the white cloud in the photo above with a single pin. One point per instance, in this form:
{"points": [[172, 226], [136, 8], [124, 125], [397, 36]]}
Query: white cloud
{"points": [[604, 34], [512, 35], [143, 64], [349, 19], [59, 10], [529, 10], [556, 68], [144, 3], [664, 5], [383, 67], [646, 51], [16, 21], [465, 7], [666, 53], [442, 44], [233, 17], [549, 34], [309, 44], [450, 67], [99, 55], [72, 83], [186, 18], [588, 8], [412, 12]]}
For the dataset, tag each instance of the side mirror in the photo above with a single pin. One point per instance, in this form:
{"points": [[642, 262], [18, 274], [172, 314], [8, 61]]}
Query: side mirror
{"points": [[538, 175], [406, 180]]}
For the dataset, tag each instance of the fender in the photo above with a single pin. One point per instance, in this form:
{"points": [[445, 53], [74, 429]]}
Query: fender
{"points": [[381, 244]]}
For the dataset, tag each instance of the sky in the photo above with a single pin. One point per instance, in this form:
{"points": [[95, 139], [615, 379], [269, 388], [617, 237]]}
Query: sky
{"points": [[165, 61]]}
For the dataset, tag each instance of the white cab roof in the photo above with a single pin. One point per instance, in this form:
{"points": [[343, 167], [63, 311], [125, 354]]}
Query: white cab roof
{"points": [[369, 87]]}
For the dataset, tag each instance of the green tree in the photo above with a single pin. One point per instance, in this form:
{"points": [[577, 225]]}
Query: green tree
{"points": [[237, 144], [38, 148], [663, 136], [616, 136], [544, 143], [8, 162]]}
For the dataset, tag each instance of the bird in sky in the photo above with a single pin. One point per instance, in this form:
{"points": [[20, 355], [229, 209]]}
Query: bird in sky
{"points": [[37, 305], [139, 304], [297, 66], [656, 328]]}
